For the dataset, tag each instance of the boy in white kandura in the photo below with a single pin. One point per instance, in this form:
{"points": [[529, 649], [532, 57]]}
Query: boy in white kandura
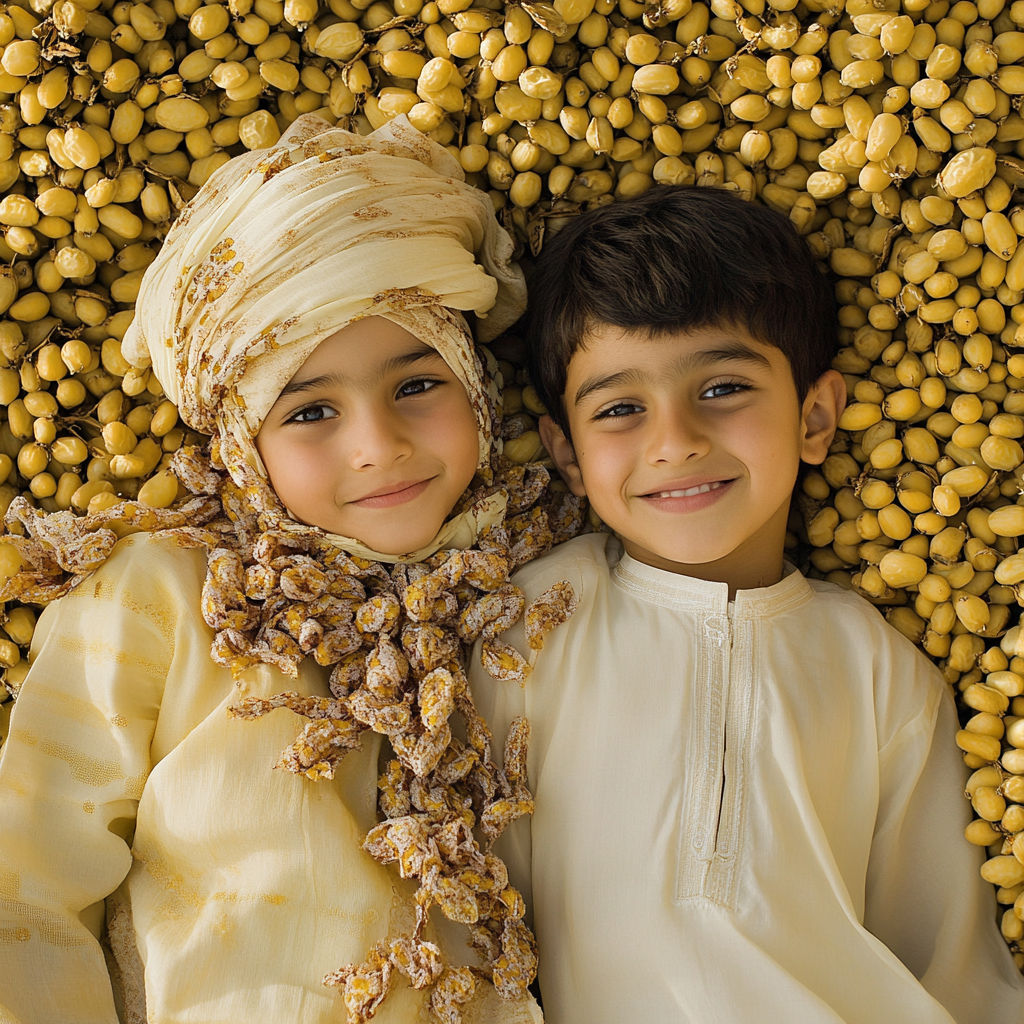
{"points": [[748, 795]]}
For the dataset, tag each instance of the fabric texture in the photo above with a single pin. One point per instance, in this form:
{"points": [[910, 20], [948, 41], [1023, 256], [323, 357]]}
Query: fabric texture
{"points": [[285, 246], [236, 888], [746, 811]]}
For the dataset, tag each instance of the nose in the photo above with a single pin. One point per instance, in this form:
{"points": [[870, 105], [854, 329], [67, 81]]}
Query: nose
{"points": [[376, 438], [677, 436]]}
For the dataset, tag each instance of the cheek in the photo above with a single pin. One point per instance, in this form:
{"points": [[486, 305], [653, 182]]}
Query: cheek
{"points": [[768, 448], [268, 448], [293, 469], [451, 432], [606, 461]]}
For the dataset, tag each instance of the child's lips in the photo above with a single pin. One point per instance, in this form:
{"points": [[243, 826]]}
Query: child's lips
{"points": [[691, 498], [393, 494]]}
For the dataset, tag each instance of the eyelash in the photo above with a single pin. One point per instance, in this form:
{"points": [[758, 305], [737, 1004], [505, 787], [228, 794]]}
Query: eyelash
{"points": [[432, 382], [612, 413], [297, 417], [738, 386], [429, 381]]}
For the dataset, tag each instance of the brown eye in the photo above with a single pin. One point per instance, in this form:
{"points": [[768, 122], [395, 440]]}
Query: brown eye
{"points": [[725, 390], [420, 386], [618, 411], [313, 414]]}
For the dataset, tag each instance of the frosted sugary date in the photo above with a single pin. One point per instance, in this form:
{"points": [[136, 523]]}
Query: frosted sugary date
{"points": [[547, 611]]}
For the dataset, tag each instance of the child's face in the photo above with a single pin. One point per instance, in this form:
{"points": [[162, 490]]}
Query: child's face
{"points": [[688, 445], [373, 438]]}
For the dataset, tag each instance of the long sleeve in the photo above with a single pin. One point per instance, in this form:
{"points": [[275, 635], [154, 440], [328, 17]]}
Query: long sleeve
{"points": [[71, 776], [926, 899]]}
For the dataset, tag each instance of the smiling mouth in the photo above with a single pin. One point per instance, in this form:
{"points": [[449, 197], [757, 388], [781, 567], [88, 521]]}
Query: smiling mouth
{"points": [[399, 495], [689, 492]]}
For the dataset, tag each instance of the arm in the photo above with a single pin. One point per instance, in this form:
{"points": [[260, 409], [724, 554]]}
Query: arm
{"points": [[925, 897], [71, 776]]}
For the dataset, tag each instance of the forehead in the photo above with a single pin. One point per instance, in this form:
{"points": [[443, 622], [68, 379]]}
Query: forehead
{"points": [[362, 343], [611, 348]]}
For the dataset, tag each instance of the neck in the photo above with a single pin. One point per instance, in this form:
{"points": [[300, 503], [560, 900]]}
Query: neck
{"points": [[757, 562]]}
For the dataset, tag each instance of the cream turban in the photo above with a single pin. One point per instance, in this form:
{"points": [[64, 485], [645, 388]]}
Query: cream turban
{"points": [[283, 247]]}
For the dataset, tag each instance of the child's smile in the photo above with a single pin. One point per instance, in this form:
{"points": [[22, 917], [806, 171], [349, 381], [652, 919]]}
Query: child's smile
{"points": [[393, 494], [687, 495], [373, 438]]}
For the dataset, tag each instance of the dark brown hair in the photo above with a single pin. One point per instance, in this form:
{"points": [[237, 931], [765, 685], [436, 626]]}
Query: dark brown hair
{"points": [[677, 259]]}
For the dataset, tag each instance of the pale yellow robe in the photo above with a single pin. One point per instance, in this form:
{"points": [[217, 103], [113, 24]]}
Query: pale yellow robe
{"points": [[748, 812], [124, 772]]}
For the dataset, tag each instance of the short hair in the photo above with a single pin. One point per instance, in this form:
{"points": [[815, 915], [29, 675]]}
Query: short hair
{"points": [[678, 259]]}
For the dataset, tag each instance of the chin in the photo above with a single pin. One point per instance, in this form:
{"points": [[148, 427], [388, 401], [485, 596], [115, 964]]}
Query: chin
{"points": [[692, 552], [406, 549], [392, 532], [687, 557], [399, 543]]}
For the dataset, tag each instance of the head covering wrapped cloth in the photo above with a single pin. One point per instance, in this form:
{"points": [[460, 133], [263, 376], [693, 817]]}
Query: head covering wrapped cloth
{"points": [[285, 246]]}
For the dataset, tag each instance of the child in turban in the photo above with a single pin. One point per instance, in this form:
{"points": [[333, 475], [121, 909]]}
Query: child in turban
{"points": [[349, 529]]}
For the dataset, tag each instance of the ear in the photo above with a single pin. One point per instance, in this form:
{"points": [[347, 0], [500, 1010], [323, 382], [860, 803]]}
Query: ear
{"points": [[559, 447], [822, 408]]}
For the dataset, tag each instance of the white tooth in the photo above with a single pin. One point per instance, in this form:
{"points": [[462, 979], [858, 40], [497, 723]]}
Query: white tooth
{"points": [[689, 492]]}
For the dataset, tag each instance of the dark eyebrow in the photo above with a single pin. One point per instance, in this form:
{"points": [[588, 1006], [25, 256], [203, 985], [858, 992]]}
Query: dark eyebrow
{"points": [[294, 387], [401, 362], [603, 383], [687, 363]]}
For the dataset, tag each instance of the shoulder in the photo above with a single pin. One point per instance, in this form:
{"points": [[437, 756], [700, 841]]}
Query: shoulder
{"points": [[585, 562], [145, 598], [847, 613], [158, 557], [905, 683], [845, 606], [144, 570]]}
